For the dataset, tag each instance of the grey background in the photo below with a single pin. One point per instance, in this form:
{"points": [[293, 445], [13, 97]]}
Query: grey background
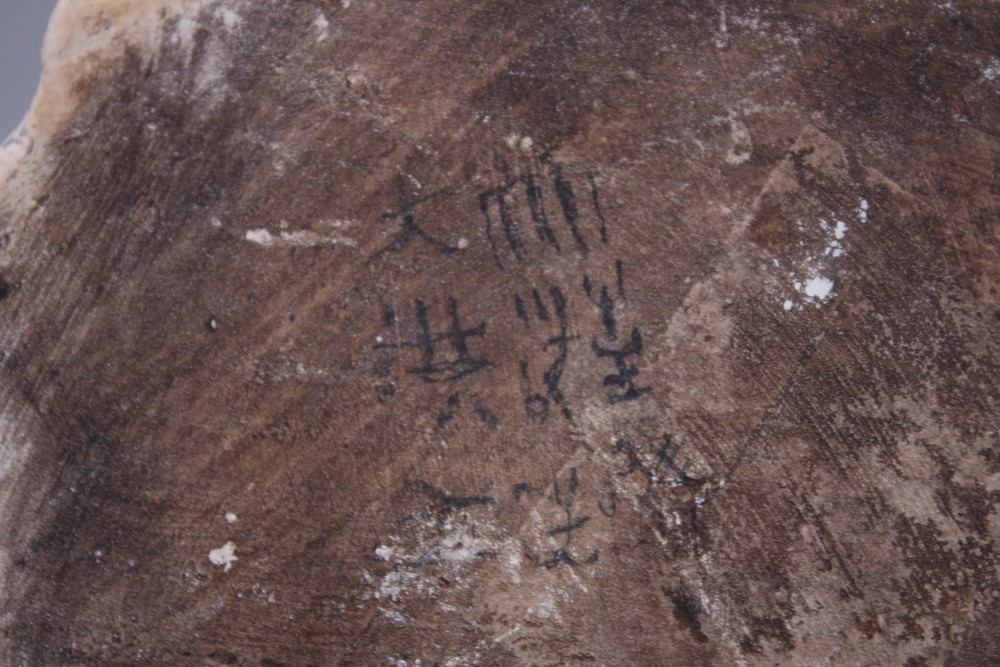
{"points": [[22, 28]]}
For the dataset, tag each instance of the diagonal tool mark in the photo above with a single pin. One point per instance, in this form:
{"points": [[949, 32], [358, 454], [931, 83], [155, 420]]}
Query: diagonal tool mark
{"points": [[808, 515], [355, 644], [762, 430]]}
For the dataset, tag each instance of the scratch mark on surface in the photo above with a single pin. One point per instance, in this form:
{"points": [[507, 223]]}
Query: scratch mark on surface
{"points": [[352, 649], [808, 514], [762, 431]]}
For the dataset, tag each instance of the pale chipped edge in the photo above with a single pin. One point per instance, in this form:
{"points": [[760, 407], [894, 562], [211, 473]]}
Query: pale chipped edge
{"points": [[82, 36]]}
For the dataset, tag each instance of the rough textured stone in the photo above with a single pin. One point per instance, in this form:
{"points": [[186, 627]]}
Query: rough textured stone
{"points": [[494, 333]]}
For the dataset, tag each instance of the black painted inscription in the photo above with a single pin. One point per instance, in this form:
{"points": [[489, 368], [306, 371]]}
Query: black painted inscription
{"points": [[406, 213], [457, 361], [537, 406], [547, 196], [564, 497], [619, 386]]}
